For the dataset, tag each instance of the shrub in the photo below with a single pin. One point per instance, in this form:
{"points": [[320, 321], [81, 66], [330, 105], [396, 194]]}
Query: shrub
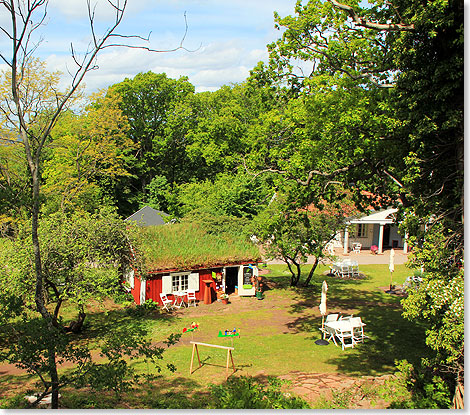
{"points": [[247, 393]]}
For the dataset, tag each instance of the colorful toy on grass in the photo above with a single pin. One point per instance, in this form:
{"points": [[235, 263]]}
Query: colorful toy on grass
{"points": [[229, 333], [193, 327]]}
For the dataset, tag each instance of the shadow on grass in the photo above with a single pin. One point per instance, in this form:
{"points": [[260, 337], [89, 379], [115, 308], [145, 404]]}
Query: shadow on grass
{"points": [[161, 393], [99, 323], [391, 336]]}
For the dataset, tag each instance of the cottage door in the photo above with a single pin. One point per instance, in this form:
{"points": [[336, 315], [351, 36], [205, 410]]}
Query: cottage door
{"points": [[245, 273]]}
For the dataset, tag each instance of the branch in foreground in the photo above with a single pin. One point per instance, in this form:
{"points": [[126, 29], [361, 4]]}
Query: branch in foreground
{"points": [[389, 27], [311, 173]]}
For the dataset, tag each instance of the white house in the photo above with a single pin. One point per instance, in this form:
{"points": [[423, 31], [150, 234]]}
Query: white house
{"points": [[378, 228]]}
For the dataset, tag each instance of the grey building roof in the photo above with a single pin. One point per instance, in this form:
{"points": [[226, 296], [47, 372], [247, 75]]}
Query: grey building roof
{"points": [[148, 216]]}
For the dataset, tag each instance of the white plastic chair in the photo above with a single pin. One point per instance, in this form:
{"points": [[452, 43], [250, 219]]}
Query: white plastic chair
{"points": [[358, 329], [346, 334], [345, 270], [357, 247], [167, 303], [331, 317], [354, 269], [327, 331], [191, 294]]}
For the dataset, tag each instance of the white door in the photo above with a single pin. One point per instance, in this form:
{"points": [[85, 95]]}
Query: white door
{"points": [[245, 286]]}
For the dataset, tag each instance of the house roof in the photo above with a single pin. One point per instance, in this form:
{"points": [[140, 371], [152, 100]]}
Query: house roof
{"points": [[187, 246], [381, 217], [148, 216]]}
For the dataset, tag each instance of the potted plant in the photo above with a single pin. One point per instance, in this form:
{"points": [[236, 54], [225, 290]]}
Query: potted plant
{"points": [[374, 249], [224, 298]]}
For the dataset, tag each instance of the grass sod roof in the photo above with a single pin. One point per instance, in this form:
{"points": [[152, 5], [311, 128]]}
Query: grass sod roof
{"points": [[185, 246]]}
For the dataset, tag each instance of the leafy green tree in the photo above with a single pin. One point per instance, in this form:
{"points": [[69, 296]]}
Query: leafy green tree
{"points": [[292, 232], [14, 195], [87, 147], [233, 195], [30, 105], [157, 110], [226, 125], [399, 65]]}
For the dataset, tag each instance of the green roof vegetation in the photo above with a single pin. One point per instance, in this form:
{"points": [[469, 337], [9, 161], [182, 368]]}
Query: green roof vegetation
{"points": [[190, 246]]}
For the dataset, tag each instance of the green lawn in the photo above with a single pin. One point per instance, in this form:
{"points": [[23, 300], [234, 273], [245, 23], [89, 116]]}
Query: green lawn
{"points": [[277, 335]]}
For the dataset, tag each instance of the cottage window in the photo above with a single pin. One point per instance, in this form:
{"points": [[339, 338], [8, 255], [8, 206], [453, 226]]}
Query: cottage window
{"points": [[179, 282], [362, 230]]}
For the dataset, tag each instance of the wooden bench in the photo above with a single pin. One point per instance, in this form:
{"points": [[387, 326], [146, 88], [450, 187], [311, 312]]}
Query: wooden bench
{"points": [[229, 356]]}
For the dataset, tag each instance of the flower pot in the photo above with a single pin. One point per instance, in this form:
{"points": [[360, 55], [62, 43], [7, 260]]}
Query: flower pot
{"points": [[224, 300]]}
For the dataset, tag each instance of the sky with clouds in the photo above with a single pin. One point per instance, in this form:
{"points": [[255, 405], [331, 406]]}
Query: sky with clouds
{"points": [[226, 38]]}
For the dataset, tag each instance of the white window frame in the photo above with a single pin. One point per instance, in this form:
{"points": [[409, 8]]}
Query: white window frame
{"points": [[167, 281], [179, 281]]}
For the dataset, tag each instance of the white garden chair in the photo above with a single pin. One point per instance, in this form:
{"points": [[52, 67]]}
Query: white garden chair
{"points": [[358, 329], [354, 269], [326, 330], [191, 294], [166, 302], [357, 247], [344, 334], [345, 270]]}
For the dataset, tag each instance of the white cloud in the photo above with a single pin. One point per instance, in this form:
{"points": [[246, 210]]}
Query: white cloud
{"points": [[233, 34]]}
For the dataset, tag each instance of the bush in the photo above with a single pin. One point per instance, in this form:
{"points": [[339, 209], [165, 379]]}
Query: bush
{"points": [[428, 391], [247, 393]]}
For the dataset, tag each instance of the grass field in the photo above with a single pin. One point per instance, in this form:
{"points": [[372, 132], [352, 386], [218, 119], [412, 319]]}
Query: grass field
{"points": [[277, 337]]}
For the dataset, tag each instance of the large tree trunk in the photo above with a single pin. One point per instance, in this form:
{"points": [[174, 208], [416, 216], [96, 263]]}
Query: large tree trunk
{"points": [[458, 401], [312, 271], [39, 293]]}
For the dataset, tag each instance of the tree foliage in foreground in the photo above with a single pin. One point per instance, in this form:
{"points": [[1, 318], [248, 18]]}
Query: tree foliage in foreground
{"points": [[82, 258]]}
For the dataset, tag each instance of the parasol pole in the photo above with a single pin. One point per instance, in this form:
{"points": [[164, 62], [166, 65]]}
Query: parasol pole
{"points": [[391, 266], [322, 341]]}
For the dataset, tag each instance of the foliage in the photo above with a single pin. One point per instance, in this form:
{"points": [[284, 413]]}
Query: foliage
{"points": [[86, 148], [246, 393], [403, 62], [13, 185], [158, 112], [231, 195], [438, 301], [189, 245], [81, 259], [291, 232], [159, 194], [428, 391]]}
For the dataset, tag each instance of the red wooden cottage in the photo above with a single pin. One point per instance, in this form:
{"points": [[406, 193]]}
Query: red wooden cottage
{"points": [[179, 257]]}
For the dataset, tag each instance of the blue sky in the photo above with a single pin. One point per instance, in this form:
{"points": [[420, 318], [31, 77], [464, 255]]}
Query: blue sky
{"points": [[229, 38]]}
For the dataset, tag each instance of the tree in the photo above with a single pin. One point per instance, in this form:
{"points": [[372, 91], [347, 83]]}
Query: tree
{"points": [[30, 105], [82, 258], [404, 61], [157, 109], [87, 147], [292, 233]]}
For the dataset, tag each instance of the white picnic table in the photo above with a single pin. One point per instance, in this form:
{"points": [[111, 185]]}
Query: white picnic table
{"points": [[345, 268], [343, 329]]}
